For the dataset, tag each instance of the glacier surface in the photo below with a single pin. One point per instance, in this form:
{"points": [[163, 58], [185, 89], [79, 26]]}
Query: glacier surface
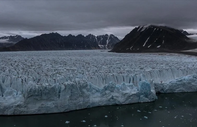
{"points": [[60, 81]]}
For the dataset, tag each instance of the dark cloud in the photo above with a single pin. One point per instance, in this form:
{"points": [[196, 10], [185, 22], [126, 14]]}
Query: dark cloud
{"points": [[79, 15]]}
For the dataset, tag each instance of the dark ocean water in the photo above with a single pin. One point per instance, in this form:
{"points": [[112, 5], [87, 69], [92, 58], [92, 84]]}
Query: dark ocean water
{"points": [[169, 110]]}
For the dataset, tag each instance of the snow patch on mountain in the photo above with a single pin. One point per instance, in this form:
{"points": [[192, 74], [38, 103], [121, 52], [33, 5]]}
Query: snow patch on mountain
{"points": [[106, 41], [4, 41], [146, 41], [11, 39]]}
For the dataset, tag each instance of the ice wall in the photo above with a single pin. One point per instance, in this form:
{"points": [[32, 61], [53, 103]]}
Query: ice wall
{"points": [[49, 98], [184, 84], [49, 82]]}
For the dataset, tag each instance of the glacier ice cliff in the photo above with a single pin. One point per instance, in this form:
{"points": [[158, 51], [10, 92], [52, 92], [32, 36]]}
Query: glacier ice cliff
{"points": [[60, 81]]}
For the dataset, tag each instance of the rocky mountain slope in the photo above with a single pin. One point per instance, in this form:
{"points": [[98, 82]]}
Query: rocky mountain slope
{"points": [[154, 38], [55, 41], [7, 41], [104, 41]]}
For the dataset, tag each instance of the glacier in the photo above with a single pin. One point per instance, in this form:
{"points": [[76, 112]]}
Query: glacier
{"points": [[61, 81]]}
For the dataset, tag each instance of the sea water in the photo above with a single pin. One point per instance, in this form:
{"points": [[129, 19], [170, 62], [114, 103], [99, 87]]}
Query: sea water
{"points": [[169, 110]]}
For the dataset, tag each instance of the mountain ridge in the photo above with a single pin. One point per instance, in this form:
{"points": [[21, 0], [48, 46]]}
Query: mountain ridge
{"points": [[55, 41], [151, 38], [7, 41]]}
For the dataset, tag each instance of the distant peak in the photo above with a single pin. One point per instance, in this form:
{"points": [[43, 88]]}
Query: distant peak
{"points": [[90, 35], [143, 27], [111, 35], [154, 27], [15, 36], [80, 35], [52, 33], [150, 26], [70, 35]]}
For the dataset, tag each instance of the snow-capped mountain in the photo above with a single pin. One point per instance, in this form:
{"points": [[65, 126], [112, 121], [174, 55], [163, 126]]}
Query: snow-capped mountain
{"points": [[185, 32], [154, 38], [104, 41], [7, 41], [55, 41]]}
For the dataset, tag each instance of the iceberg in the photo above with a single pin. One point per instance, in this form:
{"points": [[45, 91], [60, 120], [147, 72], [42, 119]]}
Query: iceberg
{"points": [[61, 81]]}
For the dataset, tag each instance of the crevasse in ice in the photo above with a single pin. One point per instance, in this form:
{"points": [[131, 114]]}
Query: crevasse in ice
{"points": [[60, 81]]}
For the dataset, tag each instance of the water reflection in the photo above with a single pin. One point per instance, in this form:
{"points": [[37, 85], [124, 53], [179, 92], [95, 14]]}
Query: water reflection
{"points": [[170, 110]]}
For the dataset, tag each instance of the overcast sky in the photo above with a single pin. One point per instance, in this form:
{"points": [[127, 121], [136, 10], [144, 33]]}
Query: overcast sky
{"points": [[33, 17]]}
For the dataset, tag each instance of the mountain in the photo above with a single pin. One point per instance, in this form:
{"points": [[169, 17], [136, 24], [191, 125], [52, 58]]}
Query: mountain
{"points": [[55, 41], [7, 41], [185, 32], [154, 38], [104, 41]]}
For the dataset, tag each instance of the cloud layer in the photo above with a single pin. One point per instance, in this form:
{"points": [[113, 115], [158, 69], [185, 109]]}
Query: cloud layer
{"points": [[88, 15]]}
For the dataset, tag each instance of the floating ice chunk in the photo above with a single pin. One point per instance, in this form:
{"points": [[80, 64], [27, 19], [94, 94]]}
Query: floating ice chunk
{"points": [[67, 122], [83, 121], [138, 111], [145, 117]]}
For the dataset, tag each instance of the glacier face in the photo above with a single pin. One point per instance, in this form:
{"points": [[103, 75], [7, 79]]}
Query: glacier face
{"points": [[60, 81]]}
